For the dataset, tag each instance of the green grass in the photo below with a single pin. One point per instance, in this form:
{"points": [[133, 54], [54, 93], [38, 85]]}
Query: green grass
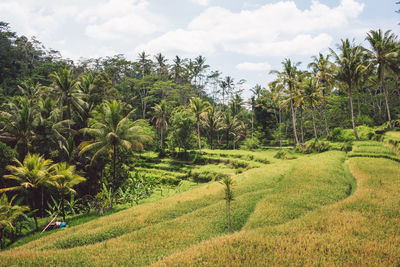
{"points": [[374, 149], [306, 211]]}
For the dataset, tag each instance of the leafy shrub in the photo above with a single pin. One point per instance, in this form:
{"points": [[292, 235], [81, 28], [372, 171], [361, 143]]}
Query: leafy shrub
{"points": [[250, 143], [239, 170], [336, 134], [347, 146], [281, 154], [364, 120], [313, 146]]}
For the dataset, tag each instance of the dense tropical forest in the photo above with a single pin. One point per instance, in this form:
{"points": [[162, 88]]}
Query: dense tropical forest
{"points": [[83, 135]]}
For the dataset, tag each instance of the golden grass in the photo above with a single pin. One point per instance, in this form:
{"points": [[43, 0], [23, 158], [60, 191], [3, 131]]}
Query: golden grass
{"points": [[362, 230]]}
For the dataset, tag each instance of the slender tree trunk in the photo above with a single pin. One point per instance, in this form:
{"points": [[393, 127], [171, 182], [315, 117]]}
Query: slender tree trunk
{"points": [[301, 125], [62, 206], [352, 113], [296, 139], [280, 121], [326, 120], [1, 238], [358, 104], [198, 133], [313, 120], [114, 176], [228, 213], [385, 92], [42, 201], [161, 133]]}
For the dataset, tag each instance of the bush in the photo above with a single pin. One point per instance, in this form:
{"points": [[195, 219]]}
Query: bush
{"points": [[281, 154], [364, 120], [347, 146], [251, 143], [336, 135], [313, 146]]}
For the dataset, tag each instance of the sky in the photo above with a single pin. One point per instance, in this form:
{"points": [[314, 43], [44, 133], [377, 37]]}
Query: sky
{"points": [[242, 39]]}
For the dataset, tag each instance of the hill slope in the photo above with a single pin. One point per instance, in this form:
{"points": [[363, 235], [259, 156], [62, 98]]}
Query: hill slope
{"points": [[283, 213]]}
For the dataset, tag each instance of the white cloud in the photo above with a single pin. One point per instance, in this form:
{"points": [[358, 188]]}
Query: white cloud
{"points": [[101, 19], [121, 19], [271, 30], [252, 66], [202, 2]]}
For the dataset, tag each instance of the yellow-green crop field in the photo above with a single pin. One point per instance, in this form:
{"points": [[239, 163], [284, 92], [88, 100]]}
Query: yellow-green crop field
{"points": [[328, 209]]}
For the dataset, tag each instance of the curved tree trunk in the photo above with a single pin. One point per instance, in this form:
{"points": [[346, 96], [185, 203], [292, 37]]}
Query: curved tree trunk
{"points": [[352, 114], [385, 92], [313, 121], [326, 120], [301, 125], [296, 139]]}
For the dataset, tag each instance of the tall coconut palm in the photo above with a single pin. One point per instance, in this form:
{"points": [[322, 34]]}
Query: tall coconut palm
{"points": [[144, 62], [385, 50], [112, 133], [226, 86], [161, 112], [64, 178], [162, 63], [288, 80], [350, 66], [68, 92], [32, 175], [213, 123], [199, 108], [322, 69], [231, 125], [17, 123], [312, 98]]}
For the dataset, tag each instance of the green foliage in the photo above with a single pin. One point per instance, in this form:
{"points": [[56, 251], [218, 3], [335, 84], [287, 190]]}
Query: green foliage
{"points": [[182, 134], [251, 143], [281, 154], [347, 146], [364, 120], [7, 154], [313, 146]]}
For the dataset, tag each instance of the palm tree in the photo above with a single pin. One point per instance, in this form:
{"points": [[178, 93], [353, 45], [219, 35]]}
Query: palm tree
{"points": [[18, 123], [64, 178], [312, 98], [177, 69], [288, 83], [199, 108], [386, 53], [213, 123], [198, 69], [162, 63], [31, 90], [69, 94], [228, 182], [322, 68], [144, 62], [9, 213], [231, 125], [349, 69], [32, 175], [112, 132], [226, 86], [161, 112]]}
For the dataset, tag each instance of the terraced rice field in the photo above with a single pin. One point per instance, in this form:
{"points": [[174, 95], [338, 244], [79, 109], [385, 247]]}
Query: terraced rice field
{"points": [[321, 209]]}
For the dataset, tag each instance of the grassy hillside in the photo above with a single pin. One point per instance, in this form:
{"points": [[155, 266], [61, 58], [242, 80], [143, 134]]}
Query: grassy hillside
{"points": [[295, 211]]}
